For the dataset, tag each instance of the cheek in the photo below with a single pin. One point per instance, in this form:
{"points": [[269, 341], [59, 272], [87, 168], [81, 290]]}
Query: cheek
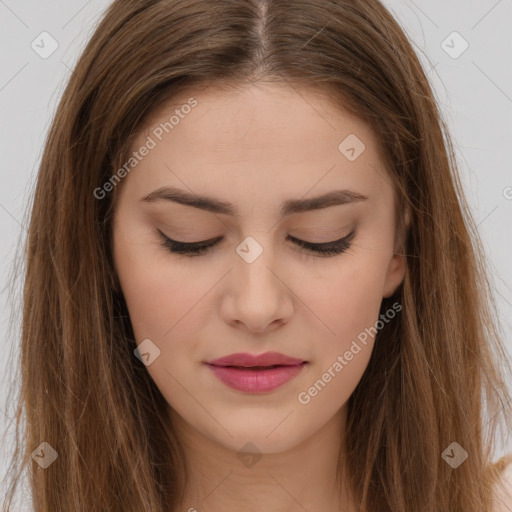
{"points": [[346, 299], [348, 305], [156, 292]]}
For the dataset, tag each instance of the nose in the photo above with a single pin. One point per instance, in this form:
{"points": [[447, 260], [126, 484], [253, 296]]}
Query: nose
{"points": [[257, 296]]}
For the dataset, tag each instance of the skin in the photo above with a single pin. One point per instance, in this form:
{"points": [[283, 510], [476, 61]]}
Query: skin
{"points": [[256, 147]]}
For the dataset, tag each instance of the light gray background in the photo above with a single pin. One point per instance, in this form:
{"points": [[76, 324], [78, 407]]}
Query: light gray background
{"points": [[474, 91]]}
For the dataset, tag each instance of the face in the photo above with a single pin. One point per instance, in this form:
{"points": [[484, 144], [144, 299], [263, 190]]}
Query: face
{"points": [[261, 154]]}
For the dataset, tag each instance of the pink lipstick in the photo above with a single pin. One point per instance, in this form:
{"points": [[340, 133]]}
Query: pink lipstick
{"points": [[256, 373]]}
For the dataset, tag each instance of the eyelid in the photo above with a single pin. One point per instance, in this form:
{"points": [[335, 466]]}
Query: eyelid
{"points": [[345, 238], [199, 242]]}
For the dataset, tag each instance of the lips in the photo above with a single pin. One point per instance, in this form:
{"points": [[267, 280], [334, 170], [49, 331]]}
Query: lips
{"points": [[245, 360], [256, 373]]}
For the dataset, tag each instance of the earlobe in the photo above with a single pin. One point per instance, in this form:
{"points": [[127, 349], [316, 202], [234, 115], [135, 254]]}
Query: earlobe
{"points": [[395, 275], [398, 264]]}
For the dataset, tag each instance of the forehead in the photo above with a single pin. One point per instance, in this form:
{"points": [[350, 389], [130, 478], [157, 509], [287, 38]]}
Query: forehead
{"points": [[265, 142], [244, 117]]}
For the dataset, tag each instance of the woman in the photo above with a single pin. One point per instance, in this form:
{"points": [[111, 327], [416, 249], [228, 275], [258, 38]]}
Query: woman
{"points": [[253, 281]]}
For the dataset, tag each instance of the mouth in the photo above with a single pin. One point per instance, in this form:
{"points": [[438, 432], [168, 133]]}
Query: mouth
{"points": [[257, 367], [265, 360], [256, 379]]}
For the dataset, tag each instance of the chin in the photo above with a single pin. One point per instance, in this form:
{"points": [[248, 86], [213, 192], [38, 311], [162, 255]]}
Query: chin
{"points": [[253, 436]]}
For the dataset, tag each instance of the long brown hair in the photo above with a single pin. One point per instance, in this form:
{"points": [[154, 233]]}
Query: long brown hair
{"points": [[435, 375]]}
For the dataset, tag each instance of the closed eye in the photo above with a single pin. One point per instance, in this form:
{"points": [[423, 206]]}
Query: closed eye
{"points": [[327, 248], [200, 248]]}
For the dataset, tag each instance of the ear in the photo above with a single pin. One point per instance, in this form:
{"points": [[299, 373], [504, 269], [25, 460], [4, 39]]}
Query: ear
{"points": [[395, 275], [398, 264]]}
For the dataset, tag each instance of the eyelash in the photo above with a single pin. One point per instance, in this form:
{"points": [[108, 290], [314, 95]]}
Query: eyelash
{"points": [[327, 249]]}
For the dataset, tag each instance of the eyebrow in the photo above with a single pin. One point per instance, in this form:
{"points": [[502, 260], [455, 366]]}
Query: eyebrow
{"points": [[333, 198]]}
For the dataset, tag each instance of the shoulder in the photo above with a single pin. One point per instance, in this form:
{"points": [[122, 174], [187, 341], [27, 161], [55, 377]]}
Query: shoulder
{"points": [[503, 492]]}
